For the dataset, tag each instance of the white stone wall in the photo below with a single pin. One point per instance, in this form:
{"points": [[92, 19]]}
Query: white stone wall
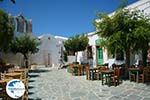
{"points": [[142, 5], [92, 38], [49, 51], [82, 56], [71, 59]]}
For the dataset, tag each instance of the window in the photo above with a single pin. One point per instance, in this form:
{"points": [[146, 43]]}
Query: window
{"points": [[89, 52], [119, 55]]}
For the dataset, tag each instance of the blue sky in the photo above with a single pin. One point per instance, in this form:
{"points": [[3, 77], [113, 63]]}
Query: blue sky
{"points": [[61, 17]]}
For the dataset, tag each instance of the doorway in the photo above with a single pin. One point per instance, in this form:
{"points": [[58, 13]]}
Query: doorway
{"points": [[99, 55]]}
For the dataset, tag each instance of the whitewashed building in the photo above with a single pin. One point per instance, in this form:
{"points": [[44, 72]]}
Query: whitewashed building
{"points": [[96, 55], [50, 50]]}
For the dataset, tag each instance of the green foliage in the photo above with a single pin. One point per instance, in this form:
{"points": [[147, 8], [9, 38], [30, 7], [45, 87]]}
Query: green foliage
{"points": [[125, 30], [6, 31], [24, 44], [76, 43]]}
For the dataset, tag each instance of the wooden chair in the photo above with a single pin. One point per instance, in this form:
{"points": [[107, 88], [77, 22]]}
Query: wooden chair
{"points": [[76, 69], [3, 94], [25, 79], [147, 74], [142, 75], [115, 76], [70, 68], [80, 70], [132, 75], [87, 67], [97, 74], [2, 76], [103, 68]]}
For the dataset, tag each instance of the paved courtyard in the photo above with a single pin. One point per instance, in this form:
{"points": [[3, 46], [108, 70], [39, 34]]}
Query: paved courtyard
{"points": [[53, 84]]}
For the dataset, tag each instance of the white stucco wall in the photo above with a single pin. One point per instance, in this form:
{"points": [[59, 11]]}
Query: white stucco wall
{"points": [[49, 51], [92, 38], [82, 56], [142, 5], [71, 59]]}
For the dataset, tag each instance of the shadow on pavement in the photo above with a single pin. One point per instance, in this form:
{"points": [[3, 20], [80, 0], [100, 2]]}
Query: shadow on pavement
{"points": [[39, 71], [35, 99], [148, 83], [30, 93], [31, 81], [31, 87], [32, 76]]}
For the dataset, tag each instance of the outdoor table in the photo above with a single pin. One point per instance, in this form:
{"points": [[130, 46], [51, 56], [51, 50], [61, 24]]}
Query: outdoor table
{"points": [[107, 74], [136, 70], [20, 70], [92, 71], [78, 67], [4, 81], [13, 75]]}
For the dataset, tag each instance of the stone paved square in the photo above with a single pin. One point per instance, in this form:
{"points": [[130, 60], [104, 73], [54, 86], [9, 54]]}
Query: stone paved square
{"points": [[54, 84]]}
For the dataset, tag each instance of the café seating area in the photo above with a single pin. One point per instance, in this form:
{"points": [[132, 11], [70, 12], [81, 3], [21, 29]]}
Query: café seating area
{"points": [[106, 75], [13, 73], [112, 76], [139, 74]]}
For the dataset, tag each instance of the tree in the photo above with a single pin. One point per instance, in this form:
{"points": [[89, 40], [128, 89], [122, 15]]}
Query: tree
{"points": [[24, 44], [75, 44], [143, 36], [6, 31], [115, 30], [123, 31]]}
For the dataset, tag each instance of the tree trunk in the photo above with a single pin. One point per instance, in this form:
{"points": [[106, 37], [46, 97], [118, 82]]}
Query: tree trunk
{"points": [[127, 58], [144, 57], [127, 63], [26, 60]]}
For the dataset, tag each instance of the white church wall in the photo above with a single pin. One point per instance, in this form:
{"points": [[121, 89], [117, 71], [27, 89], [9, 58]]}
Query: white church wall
{"points": [[49, 51]]}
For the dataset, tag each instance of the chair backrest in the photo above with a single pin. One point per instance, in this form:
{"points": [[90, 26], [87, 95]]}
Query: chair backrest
{"points": [[132, 66], [103, 68], [117, 71], [87, 66], [71, 65], [2, 76], [146, 72], [18, 76], [11, 70], [114, 66]]}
